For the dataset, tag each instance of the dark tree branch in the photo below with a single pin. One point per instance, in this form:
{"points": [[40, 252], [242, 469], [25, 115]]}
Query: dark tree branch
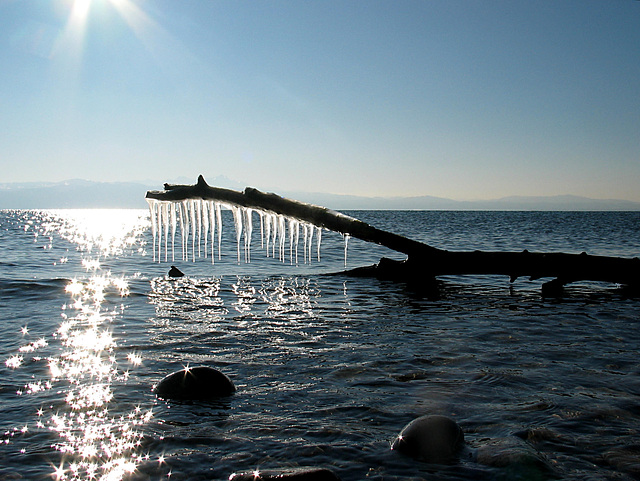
{"points": [[423, 260]]}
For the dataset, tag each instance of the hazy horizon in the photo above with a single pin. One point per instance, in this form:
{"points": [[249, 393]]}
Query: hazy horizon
{"points": [[76, 193], [224, 182]]}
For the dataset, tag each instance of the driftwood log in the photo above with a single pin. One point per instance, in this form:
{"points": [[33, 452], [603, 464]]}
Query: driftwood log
{"points": [[423, 262]]}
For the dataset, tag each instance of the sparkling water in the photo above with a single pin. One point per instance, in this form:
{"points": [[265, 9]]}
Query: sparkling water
{"points": [[328, 368]]}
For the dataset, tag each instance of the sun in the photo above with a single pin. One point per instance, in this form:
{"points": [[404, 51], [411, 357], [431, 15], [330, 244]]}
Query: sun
{"points": [[130, 11], [71, 50], [80, 8], [78, 13]]}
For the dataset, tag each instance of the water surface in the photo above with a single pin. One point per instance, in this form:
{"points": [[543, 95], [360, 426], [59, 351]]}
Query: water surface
{"points": [[328, 368]]}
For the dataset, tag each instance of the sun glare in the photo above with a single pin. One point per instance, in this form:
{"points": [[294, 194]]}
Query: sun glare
{"points": [[133, 15], [98, 433], [106, 232], [69, 45], [80, 10], [90, 437]]}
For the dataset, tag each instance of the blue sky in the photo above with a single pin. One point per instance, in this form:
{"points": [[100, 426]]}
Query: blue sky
{"points": [[461, 99]]}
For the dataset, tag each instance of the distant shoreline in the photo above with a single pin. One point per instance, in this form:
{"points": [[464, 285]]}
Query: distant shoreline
{"points": [[79, 194]]}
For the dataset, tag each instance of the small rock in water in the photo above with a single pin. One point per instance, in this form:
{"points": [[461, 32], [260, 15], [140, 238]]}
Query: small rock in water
{"points": [[434, 439], [175, 272], [287, 474], [195, 383]]}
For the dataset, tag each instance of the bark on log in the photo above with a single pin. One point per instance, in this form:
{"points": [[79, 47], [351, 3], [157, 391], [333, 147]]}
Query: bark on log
{"points": [[423, 261]]}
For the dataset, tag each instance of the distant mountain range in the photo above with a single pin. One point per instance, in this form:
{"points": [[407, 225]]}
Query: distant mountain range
{"points": [[87, 194], [551, 203]]}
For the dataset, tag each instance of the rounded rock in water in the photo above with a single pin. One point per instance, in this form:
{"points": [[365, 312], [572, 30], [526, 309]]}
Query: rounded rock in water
{"points": [[433, 438], [195, 383]]}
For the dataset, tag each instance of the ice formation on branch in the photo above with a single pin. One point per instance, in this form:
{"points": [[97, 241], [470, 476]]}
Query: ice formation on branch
{"points": [[200, 225], [423, 261]]}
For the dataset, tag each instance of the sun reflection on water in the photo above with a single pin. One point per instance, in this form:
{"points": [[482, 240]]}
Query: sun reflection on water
{"points": [[106, 232], [95, 436], [94, 443]]}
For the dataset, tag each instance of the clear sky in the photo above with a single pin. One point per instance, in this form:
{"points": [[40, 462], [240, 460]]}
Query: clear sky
{"points": [[463, 99]]}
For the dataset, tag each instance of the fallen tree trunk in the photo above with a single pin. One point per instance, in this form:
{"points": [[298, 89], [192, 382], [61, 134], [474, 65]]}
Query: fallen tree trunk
{"points": [[313, 214], [423, 261]]}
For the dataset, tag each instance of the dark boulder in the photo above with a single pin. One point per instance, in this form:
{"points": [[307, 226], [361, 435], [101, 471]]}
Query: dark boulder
{"points": [[195, 383], [433, 439]]}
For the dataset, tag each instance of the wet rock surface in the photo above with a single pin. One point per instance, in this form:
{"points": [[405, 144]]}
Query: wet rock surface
{"points": [[196, 383], [431, 438]]}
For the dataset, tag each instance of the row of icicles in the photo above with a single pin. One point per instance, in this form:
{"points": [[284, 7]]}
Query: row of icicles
{"points": [[202, 219]]}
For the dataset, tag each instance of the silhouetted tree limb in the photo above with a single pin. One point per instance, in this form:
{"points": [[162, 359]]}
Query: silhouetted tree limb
{"points": [[423, 261]]}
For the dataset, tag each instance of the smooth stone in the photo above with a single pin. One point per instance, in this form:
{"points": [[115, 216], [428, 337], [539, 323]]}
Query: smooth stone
{"points": [[175, 272], [195, 383], [432, 438], [287, 474]]}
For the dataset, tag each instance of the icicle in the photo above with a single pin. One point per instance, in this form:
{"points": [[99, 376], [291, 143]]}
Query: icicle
{"points": [[274, 234], [187, 232], [152, 214], [237, 217], [297, 239], [159, 230], [346, 242], [184, 219], [198, 217], [267, 226], [192, 212], [212, 220], [198, 207], [165, 225], [159, 208], [172, 212], [248, 229], [291, 238], [179, 222], [219, 224], [205, 224], [187, 222], [261, 214], [319, 237], [305, 232], [282, 229], [310, 242], [184, 229]]}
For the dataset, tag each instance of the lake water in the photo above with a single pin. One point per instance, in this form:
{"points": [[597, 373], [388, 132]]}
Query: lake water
{"points": [[328, 369]]}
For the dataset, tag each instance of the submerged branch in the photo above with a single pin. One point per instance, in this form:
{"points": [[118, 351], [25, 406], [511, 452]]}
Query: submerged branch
{"points": [[423, 260]]}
